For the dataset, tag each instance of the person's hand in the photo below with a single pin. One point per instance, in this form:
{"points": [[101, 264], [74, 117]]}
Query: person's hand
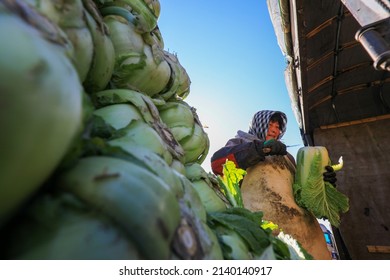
{"points": [[274, 147], [330, 175]]}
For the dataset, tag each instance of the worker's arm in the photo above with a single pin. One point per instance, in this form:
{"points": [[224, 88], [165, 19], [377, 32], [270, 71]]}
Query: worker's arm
{"points": [[245, 154]]}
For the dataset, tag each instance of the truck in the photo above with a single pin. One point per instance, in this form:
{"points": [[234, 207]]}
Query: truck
{"points": [[337, 77]]}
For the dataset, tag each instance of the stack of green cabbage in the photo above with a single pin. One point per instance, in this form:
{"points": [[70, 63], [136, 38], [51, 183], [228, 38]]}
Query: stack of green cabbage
{"points": [[101, 156], [41, 102]]}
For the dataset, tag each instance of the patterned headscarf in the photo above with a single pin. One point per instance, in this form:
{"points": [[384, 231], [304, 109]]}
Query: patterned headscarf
{"points": [[260, 121]]}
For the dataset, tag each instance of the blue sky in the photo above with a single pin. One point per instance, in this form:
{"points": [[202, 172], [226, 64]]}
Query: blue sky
{"points": [[230, 52]]}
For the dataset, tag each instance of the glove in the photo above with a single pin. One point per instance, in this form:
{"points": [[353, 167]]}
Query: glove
{"points": [[330, 175], [274, 147]]}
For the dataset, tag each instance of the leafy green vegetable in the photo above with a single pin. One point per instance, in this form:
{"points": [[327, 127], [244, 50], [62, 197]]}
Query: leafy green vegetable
{"points": [[211, 201], [269, 225], [297, 252], [60, 226], [41, 103], [312, 192], [242, 236], [245, 223], [230, 183]]}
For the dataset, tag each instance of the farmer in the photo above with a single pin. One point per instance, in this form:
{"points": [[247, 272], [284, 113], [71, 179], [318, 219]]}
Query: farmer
{"points": [[267, 185], [262, 139]]}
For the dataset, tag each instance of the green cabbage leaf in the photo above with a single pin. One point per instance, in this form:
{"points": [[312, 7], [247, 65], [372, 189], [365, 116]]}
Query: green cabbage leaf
{"points": [[313, 193]]}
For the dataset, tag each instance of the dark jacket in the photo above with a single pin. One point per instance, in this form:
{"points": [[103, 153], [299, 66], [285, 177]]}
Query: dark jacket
{"points": [[246, 149]]}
